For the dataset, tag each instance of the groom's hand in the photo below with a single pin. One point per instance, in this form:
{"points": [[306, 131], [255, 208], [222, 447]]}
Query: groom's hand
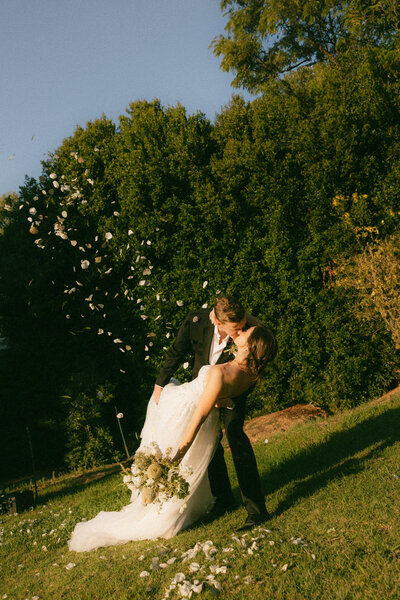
{"points": [[157, 393]]}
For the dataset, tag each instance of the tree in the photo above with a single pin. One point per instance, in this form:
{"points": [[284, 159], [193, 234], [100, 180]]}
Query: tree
{"points": [[267, 38], [374, 276]]}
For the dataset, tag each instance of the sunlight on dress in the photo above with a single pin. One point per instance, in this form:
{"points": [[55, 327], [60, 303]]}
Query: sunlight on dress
{"points": [[165, 424]]}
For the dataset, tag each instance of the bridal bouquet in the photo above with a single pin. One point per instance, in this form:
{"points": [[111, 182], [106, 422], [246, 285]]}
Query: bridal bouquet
{"points": [[157, 478]]}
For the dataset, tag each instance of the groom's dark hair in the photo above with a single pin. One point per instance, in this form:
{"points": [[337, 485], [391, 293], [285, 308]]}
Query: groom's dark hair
{"points": [[227, 308]]}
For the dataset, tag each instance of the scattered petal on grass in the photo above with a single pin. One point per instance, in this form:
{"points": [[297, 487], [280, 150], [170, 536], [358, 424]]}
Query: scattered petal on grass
{"points": [[179, 302], [220, 570], [195, 319], [217, 585], [108, 235], [205, 283], [185, 365], [70, 566], [144, 574], [285, 568], [298, 541]]}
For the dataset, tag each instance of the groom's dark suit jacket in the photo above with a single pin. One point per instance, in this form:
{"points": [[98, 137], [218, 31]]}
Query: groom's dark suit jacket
{"points": [[194, 338]]}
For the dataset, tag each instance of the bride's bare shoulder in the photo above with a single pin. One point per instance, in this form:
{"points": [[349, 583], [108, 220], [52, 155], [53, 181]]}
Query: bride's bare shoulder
{"points": [[215, 376]]}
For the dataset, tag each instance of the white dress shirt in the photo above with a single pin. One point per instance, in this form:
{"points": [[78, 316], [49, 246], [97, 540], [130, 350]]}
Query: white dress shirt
{"points": [[217, 347]]}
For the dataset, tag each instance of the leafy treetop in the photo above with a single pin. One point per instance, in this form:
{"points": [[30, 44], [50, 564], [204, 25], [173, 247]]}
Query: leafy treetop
{"points": [[266, 38]]}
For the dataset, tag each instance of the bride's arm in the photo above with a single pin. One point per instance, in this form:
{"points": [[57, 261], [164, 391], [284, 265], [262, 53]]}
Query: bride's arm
{"points": [[212, 390]]}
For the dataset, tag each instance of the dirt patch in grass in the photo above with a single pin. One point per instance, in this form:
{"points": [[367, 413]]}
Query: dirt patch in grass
{"points": [[261, 428]]}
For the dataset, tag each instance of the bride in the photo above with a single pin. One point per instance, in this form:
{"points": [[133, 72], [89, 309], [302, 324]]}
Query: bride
{"points": [[186, 419]]}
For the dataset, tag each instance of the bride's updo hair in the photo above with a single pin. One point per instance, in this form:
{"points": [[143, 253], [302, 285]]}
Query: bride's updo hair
{"points": [[262, 349]]}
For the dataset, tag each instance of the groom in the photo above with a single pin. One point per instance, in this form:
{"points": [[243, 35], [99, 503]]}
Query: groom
{"points": [[207, 335]]}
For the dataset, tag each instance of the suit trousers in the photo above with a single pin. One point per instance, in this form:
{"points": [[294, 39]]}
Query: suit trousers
{"points": [[244, 461]]}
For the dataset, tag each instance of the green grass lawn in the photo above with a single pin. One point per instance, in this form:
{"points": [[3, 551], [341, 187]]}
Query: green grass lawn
{"points": [[332, 487]]}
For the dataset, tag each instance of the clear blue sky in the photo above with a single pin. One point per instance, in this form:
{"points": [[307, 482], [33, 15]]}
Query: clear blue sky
{"points": [[65, 62]]}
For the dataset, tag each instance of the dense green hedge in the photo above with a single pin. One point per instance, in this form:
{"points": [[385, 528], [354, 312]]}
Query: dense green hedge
{"points": [[130, 226]]}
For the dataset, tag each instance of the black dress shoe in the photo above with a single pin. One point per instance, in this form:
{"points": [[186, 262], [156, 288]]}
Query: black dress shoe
{"points": [[253, 521]]}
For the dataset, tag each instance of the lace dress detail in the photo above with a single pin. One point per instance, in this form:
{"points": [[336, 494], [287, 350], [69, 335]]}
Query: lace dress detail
{"points": [[165, 424]]}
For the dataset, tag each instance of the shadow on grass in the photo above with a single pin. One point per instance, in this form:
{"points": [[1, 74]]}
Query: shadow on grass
{"points": [[343, 453], [78, 484], [312, 468]]}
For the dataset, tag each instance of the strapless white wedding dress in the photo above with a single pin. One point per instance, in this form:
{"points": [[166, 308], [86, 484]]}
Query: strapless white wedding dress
{"points": [[165, 424]]}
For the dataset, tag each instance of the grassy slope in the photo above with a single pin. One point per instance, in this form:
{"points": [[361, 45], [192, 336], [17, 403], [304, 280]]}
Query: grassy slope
{"points": [[332, 487]]}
